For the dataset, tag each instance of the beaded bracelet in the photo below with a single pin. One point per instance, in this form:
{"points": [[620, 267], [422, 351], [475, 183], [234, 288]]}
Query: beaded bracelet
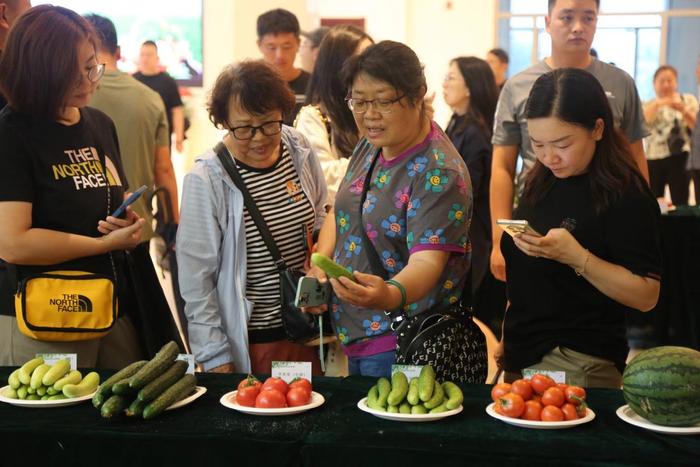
{"points": [[579, 272], [401, 288]]}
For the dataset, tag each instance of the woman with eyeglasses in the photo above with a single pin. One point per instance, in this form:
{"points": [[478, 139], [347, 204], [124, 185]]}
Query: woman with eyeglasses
{"points": [[60, 180], [405, 199], [228, 278]]}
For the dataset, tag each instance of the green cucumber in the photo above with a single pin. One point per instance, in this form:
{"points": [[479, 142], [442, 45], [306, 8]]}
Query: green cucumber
{"points": [[330, 267], [56, 372], [45, 397], [87, 386], [33, 397], [405, 408], [399, 388], [122, 388], [418, 410], [74, 377], [453, 394], [57, 397], [392, 409], [13, 380], [426, 383], [440, 408], [41, 391], [105, 389], [10, 393], [25, 371], [163, 382], [22, 392], [438, 397], [38, 375], [174, 393], [52, 391], [114, 406], [412, 395], [383, 390], [136, 408], [31, 390], [154, 368]]}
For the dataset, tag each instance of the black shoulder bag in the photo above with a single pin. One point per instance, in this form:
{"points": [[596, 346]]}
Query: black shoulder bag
{"points": [[444, 336], [300, 327]]}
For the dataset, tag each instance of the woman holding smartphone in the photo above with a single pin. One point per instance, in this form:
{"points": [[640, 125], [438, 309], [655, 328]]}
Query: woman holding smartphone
{"points": [[599, 256], [61, 179]]}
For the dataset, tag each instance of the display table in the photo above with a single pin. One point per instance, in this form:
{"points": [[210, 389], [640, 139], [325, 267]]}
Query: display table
{"points": [[206, 433]]}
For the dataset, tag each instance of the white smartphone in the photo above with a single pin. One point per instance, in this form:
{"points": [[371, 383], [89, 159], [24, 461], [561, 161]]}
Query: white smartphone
{"points": [[515, 227], [310, 292]]}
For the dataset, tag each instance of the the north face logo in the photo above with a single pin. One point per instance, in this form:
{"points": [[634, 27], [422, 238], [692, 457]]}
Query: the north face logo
{"points": [[70, 303]]}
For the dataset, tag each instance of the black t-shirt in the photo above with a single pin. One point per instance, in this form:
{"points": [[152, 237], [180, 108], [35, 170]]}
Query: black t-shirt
{"points": [[550, 305], [298, 86], [165, 85], [72, 175]]}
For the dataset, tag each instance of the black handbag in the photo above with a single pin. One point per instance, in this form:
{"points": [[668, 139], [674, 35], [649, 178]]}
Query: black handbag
{"points": [[299, 327], [444, 336]]}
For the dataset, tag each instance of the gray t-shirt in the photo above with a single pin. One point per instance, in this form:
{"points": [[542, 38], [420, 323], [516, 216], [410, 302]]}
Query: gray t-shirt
{"points": [[510, 125]]}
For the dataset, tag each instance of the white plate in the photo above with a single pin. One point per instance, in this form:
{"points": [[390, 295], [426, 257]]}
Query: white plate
{"points": [[198, 392], [405, 417], [44, 404], [630, 416], [590, 415], [229, 400]]}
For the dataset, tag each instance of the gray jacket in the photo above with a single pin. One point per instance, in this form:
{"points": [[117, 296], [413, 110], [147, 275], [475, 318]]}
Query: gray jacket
{"points": [[211, 253]]}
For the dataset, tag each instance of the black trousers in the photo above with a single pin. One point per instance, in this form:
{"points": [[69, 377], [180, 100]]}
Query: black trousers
{"points": [[670, 171]]}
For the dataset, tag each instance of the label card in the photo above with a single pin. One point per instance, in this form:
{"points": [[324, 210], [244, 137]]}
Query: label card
{"points": [[51, 358], [411, 371], [557, 376], [189, 358], [288, 371]]}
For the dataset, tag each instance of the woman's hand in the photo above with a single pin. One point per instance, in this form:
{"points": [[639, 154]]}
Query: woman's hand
{"points": [[369, 291], [121, 234], [319, 274], [558, 245]]}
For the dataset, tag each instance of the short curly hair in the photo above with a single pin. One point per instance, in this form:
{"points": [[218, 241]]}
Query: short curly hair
{"points": [[257, 87]]}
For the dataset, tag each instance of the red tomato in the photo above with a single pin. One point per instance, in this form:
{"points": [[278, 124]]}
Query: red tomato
{"points": [[581, 410], [275, 383], [499, 390], [270, 399], [569, 411], [246, 395], [562, 386], [522, 387], [533, 409], [301, 383], [510, 405], [298, 396], [575, 395], [540, 383], [552, 414], [249, 381], [553, 396]]}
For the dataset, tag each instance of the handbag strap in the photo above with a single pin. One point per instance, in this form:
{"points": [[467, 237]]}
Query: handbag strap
{"points": [[223, 155], [466, 300]]}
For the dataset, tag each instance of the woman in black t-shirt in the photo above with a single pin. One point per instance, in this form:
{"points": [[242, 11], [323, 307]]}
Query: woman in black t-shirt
{"points": [[598, 258], [60, 178]]}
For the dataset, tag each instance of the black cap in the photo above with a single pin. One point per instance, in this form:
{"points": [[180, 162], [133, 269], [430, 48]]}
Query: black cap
{"points": [[317, 35]]}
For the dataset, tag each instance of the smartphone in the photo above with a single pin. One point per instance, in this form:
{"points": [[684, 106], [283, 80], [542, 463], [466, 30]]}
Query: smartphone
{"points": [[516, 227], [310, 292], [130, 200]]}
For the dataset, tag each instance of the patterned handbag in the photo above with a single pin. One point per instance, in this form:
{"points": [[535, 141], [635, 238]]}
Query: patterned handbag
{"points": [[444, 336]]}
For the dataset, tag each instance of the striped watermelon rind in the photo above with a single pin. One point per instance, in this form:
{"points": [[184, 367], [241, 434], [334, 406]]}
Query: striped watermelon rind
{"points": [[663, 385]]}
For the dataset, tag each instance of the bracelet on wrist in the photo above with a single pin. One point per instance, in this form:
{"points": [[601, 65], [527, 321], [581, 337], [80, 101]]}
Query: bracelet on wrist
{"points": [[582, 270], [401, 288]]}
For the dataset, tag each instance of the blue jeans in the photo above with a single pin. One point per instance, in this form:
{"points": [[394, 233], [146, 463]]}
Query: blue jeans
{"points": [[376, 365]]}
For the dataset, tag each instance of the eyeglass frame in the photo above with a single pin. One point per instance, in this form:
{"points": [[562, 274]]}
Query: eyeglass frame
{"points": [[255, 129], [100, 71], [387, 102]]}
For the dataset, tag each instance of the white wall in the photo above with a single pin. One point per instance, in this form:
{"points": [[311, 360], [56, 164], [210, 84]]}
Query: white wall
{"points": [[437, 30]]}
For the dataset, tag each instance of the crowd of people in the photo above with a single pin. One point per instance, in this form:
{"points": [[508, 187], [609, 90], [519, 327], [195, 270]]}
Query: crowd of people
{"points": [[342, 157]]}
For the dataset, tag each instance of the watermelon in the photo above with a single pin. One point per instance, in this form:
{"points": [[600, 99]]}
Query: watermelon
{"points": [[663, 385]]}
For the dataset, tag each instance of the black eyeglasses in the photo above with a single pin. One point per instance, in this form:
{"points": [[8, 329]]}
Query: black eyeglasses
{"points": [[360, 106], [248, 132]]}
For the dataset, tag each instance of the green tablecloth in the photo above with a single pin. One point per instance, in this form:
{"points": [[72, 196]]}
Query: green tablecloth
{"points": [[336, 434]]}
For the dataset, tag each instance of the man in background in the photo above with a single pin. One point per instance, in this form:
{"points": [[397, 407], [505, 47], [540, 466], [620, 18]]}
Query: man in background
{"points": [[572, 26], [498, 61], [9, 12], [308, 50], [278, 41], [151, 75], [142, 129]]}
